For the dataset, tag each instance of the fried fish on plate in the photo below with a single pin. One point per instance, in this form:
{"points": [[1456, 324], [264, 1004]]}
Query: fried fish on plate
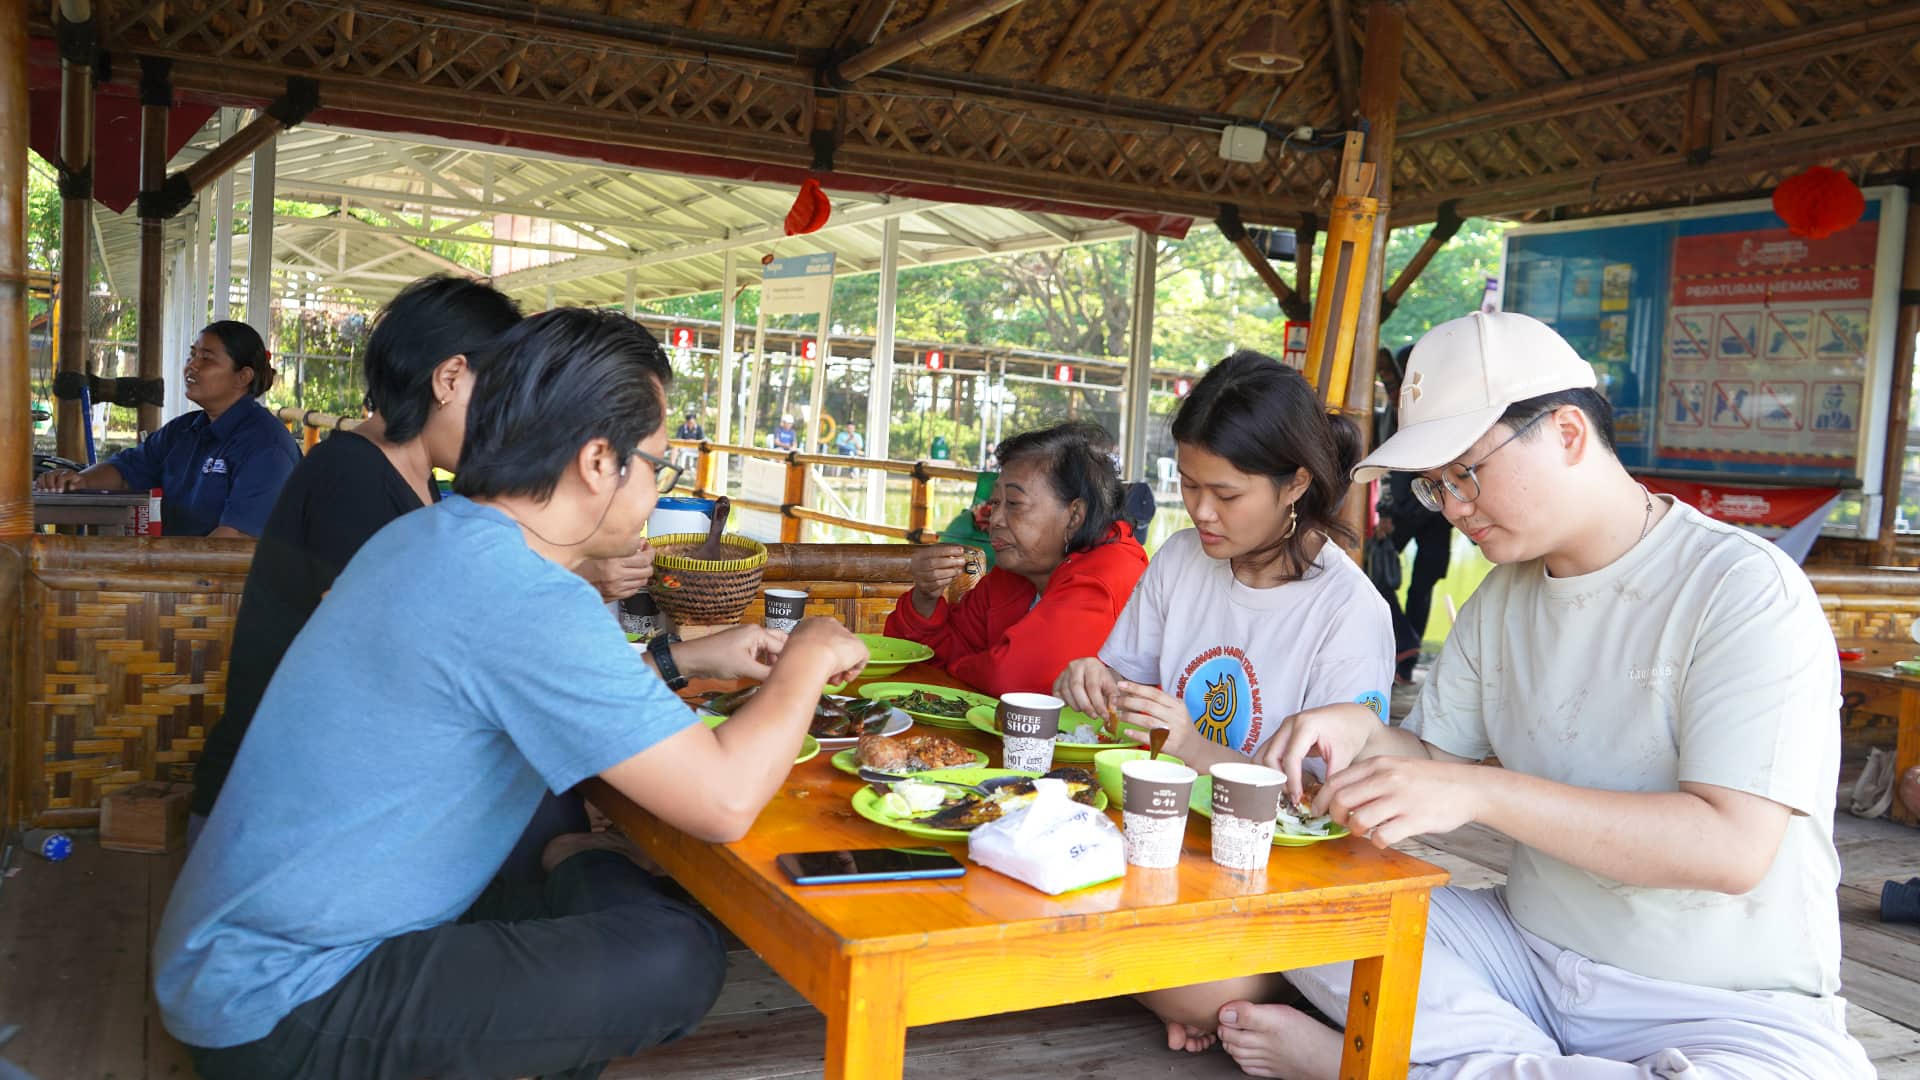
{"points": [[911, 753]]}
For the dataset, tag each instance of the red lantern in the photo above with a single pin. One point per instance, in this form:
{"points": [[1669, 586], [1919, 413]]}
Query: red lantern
{"points": [[1818, 203], [810, 209]]}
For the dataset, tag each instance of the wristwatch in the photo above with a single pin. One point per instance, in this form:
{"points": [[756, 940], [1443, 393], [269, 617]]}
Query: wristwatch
{"points": [[662, 652]]}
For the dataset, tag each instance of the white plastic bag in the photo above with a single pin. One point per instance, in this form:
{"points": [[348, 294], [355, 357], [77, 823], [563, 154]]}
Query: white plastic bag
{"points": [[1054, 844]]}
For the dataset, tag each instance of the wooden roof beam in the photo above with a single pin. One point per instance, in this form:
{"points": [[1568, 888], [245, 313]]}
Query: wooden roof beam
{"points": [[1612, 28], [1491, 53], [1065, 46], [932, 32], [1691, 14], [1209, 51], [1137, 45], [1341, 35]]}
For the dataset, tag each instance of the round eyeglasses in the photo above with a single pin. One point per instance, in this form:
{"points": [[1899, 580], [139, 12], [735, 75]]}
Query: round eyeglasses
{"points": [[1463, 481]]}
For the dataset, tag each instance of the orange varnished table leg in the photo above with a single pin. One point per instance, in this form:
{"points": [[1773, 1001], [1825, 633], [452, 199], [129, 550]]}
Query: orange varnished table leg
{"points": [[1385, 990], [867, 1025]]}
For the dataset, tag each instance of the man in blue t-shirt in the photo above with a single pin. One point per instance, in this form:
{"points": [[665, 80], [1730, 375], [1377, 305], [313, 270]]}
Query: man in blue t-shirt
{"points": [[341, 915]]}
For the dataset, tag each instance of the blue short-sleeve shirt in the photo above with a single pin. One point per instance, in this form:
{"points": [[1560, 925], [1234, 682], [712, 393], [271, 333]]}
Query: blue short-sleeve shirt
{"points": [[213, 473], [450, 677]]}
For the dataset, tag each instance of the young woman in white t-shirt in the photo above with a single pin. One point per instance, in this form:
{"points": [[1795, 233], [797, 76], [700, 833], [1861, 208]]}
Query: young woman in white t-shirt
{"points": [[1253, 614], [1250, 616]]}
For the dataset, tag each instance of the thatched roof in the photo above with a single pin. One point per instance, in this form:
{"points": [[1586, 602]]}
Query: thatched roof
{"points": [[1571, 106]]}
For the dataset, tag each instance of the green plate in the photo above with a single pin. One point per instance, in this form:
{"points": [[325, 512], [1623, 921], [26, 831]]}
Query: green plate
{"points": [[867, 804], [1201, 802], [886, 655], [882, 690], [985, 718], [809, 746], [845, 763], [1907, 667]]}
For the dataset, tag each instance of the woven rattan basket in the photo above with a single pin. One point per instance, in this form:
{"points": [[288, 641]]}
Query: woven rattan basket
{"points": [[705, 592]]}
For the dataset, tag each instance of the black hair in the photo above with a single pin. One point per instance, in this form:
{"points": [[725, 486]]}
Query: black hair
{"points": [[425, 324], [1265, 419], [1590, 401], [547, 387], [245, 348], [1074, 456]]}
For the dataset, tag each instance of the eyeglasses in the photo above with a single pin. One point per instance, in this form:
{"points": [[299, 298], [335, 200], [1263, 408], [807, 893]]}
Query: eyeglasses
{"points": [[1463, 481], [665, 473]]}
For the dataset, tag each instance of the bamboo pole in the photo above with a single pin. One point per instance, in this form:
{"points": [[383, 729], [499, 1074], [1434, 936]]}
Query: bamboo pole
{"points": [[1892, 469], [76, 213], [16, 421], [916, 38], [1293, 304], [795, 495], [156, 104]]}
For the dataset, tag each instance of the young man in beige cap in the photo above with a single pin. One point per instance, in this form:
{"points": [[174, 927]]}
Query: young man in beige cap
{"points": [[1661, 691]]}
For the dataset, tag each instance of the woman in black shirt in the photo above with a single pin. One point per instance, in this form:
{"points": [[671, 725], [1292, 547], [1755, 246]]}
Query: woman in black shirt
{"points": [[355, 482]]}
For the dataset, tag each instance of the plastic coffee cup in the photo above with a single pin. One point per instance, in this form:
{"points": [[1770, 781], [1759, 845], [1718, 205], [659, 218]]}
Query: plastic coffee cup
{"points": [[1153, 803], [1028, 723], [785, 609], [1246, 800]]}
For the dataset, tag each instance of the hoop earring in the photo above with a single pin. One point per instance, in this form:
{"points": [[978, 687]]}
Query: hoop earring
{"points": [[1293, 522]]}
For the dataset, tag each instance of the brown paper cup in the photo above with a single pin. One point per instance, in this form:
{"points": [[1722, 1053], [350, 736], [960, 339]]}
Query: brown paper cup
{"points": [[1154, 811], [1028, 723], [1246, 800]]}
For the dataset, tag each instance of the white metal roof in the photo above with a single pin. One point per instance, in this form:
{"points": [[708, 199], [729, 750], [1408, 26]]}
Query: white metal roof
{"points": [[670, 232]]}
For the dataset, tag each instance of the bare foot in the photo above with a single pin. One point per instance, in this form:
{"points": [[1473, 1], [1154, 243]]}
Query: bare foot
{"points": [[1189, 1038], [567, 845], [1279, 1041]]}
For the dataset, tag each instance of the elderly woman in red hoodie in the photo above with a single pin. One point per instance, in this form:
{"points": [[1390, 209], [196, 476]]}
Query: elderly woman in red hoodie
{"points": [[1064, 565]]}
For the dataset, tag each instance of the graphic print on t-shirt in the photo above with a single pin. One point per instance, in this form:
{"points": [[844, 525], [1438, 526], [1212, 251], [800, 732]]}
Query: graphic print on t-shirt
{"points": [[1222, 694]]}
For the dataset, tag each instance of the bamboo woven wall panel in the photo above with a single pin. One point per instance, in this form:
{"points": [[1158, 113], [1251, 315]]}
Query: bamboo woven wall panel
{"points": [[123, 687]]}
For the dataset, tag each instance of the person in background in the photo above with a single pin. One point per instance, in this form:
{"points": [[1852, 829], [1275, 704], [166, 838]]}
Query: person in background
{"points": [[1380, 555], [784, 437], [856, 442], [690, 427], [340, 916], [686, 456], [1404, 520], [1065, 562], [355, 482], [1661, 691], [220, 467]]}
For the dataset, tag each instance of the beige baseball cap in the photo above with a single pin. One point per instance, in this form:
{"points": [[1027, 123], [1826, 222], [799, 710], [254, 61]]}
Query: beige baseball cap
{"points": [[1462, 376]]}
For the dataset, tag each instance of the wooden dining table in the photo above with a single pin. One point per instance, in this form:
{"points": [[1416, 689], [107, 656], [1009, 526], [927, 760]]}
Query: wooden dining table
{"points": [[880, 958]]}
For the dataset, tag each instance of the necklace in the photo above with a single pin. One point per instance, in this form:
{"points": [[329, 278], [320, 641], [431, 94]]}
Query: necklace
{"points": [[1646, 523]]}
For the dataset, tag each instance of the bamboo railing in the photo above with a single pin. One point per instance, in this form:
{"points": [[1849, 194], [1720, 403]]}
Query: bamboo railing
{"points": [[793, 511]]}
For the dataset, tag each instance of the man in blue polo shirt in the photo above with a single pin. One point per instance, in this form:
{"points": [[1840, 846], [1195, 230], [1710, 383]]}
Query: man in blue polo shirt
{"points": [[220, 467]]}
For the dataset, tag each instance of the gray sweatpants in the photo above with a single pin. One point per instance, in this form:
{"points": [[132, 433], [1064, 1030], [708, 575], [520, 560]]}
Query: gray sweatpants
{"points": [[1498, 1003]]}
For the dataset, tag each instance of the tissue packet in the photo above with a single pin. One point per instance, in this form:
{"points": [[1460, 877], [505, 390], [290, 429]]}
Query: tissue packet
{"points": [[1054, 844]]}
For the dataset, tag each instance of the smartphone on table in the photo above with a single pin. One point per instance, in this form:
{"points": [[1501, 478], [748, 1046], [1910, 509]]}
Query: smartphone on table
{"points": [[870, 864]]}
